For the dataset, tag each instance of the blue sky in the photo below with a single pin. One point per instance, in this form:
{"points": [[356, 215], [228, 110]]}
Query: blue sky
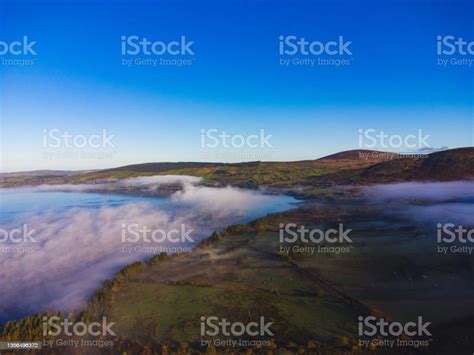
{"points": [[235, 83]]}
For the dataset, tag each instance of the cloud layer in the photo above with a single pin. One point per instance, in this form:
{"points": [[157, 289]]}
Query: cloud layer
{"points": [[428, 203], [79, 247]]}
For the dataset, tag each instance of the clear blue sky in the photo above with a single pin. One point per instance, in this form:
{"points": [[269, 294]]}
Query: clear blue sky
{"points": [[235, 83]]}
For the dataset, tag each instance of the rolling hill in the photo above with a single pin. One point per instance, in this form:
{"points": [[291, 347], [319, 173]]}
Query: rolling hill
{"points": [[448, 165], [353, 167]]}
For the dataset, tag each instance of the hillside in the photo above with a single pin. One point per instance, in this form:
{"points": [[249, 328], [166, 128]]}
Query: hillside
{"points": [[247, 174], [353, 167], [254, 174], [448, 165]]}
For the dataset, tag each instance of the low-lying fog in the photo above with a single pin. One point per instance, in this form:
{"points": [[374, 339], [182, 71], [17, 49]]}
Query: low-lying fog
{"points": [[428, 203], [77, 236]]}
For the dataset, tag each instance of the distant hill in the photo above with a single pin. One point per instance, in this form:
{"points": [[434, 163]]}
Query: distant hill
{"points": [[454, 164], [352, 167], [44, 173], [161, 167], [444, 165], [355, 154]]}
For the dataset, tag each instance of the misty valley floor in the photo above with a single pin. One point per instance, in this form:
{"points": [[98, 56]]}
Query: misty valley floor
{"points": [[392, 270]]}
